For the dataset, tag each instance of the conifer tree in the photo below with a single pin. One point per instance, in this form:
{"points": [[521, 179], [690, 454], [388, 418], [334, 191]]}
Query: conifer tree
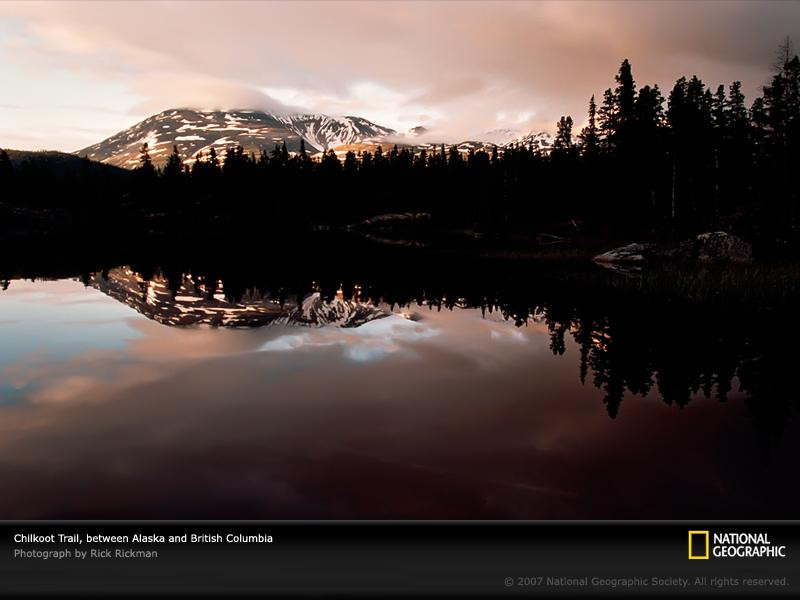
{"points": [[330, 162], [213, 160], [737, 111], [173, 167], [563, 140], [145, 162], [350, 163], [589, 135], [366, 161], [625, 92], [618, 106], [454, 157]]}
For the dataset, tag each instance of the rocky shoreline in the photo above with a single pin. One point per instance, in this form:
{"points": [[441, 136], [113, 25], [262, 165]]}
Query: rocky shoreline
{"points": [[713, 246]]}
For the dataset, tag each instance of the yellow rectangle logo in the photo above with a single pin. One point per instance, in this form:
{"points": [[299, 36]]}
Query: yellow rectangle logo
{"points": [[697, 556]]}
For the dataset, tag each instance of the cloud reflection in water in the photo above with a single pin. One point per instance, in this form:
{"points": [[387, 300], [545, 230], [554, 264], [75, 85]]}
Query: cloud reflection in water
{"points": [[448, 416]]}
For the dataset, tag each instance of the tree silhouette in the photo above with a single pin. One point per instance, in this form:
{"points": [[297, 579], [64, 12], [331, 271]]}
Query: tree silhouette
{"points": [[146, 167], [563, 139], [174, 165], [589, 135], [617, 110]]}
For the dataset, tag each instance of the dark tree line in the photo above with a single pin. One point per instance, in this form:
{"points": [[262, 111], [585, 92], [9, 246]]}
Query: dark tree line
{"points": [[698, 159]]}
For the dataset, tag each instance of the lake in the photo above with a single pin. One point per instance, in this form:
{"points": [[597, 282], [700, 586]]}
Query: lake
{"points": [[510, 392]]}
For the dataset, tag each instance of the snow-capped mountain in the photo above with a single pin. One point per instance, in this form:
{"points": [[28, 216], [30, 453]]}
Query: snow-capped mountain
{"points": [[196, 131], [323, 132], [538, 139], [507, 137], [499, 136]]}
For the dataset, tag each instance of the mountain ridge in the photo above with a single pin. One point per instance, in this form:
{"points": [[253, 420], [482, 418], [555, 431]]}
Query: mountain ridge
{"points": [[198, 131]]}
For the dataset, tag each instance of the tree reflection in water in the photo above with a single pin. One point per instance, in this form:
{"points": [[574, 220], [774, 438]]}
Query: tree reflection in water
{"points": [[677, 331]]}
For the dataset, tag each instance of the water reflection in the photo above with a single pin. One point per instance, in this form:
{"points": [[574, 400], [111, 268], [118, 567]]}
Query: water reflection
{"points": [[630, 341], [454, 401]]}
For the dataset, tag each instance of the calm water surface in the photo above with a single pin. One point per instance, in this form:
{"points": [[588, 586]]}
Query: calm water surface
{"points": [[108, 413]]}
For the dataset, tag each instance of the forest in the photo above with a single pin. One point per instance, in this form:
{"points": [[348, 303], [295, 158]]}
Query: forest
{"points": [[698, 159]]}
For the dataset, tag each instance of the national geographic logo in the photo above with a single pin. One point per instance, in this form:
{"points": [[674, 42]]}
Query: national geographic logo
{"points": [[703, 545], [698, 545]]}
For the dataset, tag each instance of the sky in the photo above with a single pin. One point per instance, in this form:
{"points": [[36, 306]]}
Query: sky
{"points": [[74, 73]]}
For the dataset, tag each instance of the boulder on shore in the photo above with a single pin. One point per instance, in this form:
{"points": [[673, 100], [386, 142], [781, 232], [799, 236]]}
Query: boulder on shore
{"points": [[713, 246], [716, 246]]}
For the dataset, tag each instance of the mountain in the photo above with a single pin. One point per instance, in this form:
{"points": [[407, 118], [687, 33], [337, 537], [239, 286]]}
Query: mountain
{"points": [[501, 137], [541, 140], [196, 131], [324, 132]]}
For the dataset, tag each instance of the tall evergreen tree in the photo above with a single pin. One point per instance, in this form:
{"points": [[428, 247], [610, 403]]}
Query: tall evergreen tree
{"points": [[625, 92], [563, 139], [589, 135], [617, 110]]}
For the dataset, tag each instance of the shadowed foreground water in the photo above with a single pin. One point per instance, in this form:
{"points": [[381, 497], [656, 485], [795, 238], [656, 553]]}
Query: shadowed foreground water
{"points": [[105, 413]]}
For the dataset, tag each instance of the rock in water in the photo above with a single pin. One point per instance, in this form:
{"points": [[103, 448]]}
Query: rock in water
{"points": [[632, 253]]}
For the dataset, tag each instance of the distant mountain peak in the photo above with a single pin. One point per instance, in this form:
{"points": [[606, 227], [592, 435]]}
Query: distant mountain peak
{"points": [[324, 131], [500, 136], [538, 139]]}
